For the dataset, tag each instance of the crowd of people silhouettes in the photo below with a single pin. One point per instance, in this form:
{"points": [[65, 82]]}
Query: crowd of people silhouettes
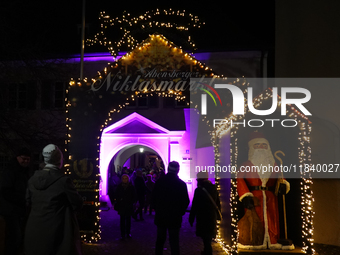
{"points": [[43, 206]]}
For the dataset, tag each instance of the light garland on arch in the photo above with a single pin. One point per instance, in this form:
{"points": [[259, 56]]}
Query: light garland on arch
{"points": [[145, 21], [228, 249], [110, 68], [171, 94], [137, 59], [133, 97], [304, 156], [93, 237]]}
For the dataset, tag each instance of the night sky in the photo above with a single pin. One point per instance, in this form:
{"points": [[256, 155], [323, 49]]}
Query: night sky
{"points": [[45, 28]]}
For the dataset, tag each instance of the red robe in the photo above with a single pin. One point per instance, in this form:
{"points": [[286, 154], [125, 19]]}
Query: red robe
{"points": [[268, 212]]}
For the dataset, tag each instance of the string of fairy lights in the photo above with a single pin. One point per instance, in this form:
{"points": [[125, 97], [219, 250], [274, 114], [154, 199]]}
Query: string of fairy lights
{"points": [[95, 235], [176, 57], [304, 156], [177, 95], [128, 24]]}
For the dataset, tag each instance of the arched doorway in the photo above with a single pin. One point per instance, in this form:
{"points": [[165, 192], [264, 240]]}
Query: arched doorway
{"points": [[129, 159], [125, 137], [135, 156]]}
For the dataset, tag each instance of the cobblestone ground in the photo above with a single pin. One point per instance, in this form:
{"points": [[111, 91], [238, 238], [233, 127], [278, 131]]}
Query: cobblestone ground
{"points": [[143, 238]]}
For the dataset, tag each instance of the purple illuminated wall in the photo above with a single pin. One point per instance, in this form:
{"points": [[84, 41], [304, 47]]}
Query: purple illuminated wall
{"points": [[169, 145], [230, 64]]}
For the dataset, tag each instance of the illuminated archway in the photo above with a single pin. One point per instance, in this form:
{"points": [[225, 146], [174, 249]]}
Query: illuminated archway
{"points": [[137, 130]]}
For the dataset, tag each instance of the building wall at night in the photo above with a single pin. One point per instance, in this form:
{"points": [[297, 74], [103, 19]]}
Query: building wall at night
{"points": [[36, 91], [82, 119], [33, 95], [306, 46]]}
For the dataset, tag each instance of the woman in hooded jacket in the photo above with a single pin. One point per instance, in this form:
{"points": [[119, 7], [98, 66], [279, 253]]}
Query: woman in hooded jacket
{"points": [[205, 211], [52, 227]]}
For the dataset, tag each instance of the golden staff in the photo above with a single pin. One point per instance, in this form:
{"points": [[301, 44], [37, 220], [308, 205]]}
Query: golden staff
{"points": [[279, 181]]}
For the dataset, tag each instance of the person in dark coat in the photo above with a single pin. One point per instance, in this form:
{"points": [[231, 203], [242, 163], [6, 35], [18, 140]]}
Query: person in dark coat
{"points": [[140, 190], [12, 200], [205, 211], [52, 227], [150, 185], [125, 197], [114, 181], [170, 199]]}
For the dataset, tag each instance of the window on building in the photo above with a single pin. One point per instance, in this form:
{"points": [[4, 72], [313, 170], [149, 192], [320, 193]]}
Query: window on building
{"points": [[168, 102], [52, 95], [153, 101], [142, 101], [46, 95], [22, 95], [31, 100]]}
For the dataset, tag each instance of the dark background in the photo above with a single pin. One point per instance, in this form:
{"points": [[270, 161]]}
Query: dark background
{"points": [[54, 27]]}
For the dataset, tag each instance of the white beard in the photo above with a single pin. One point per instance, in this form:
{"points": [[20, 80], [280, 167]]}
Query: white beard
{"points": [[260, 158]]}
